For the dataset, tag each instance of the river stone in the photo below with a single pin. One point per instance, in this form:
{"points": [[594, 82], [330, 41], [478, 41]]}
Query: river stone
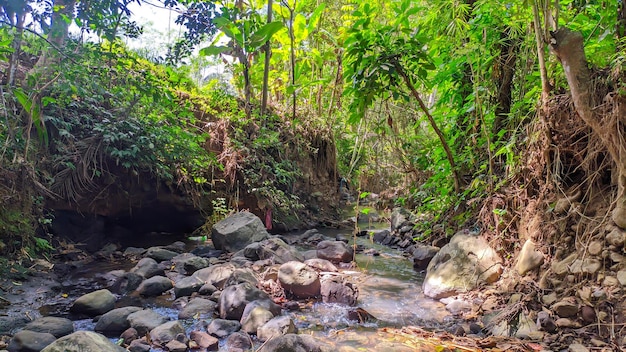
{"points": [[566, 308], [126, 283], [199, 306], [221, 328], [147, 267], [187, 285], [461, 265], [277, 326], [129, 335], [216, 275], [576, 347], [561, 268], [292, 343], [145, 320], [595, 247], [255, 318], [299, 279], [187, 263], [166, 332], [273, 248], [321, 265], [585, 266], [139, 345], [10, 324], [114, 322], [422, 255], [56, 326], [267, 304], [335, 251], [237, 231], [528, 258], [160, 254], [621, 277], [234, 299], [94, 303], [241, 275], [239, 341], [154, 286], [619, 215], [30, 341], [81, 341], [401, 217], [334, 289], [176, 346], [204, 341]]}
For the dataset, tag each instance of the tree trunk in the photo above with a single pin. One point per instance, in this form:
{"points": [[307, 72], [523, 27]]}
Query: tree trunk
{"points": [[59, 30], [568, 47], [504, 82], [543, 71], [14, 60], [433, 124], [266, 68]]}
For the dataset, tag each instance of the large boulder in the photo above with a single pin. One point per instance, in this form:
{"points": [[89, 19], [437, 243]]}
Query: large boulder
{"points": [[335, 251], [463, 264], [81, 341], [30, 341], [187, 285], [237, 231], [56, 326], [234, 299], [94, 303], [299, 279], [188, 263], [145, 320], [115, 321], [292, 343]]}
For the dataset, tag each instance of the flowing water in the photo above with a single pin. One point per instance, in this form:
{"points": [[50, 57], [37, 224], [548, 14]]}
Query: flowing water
{"points": [[389, 290]]}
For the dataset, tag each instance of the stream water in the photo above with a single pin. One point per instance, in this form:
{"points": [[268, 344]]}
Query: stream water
{"points": [[389, 290]]}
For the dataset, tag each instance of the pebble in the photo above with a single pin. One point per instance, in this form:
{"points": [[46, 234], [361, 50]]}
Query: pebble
{"points": [[576, 347]]}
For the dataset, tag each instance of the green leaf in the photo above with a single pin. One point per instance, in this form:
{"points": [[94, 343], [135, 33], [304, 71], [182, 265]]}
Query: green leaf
{"points": [[264, 34], [213, 50], [23, 99], [315, 17]]}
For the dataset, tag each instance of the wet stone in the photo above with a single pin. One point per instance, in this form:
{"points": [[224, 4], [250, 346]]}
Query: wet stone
{"points": [[221, 328]]}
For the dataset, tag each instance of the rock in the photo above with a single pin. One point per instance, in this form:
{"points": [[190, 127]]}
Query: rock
{"points": [[166, 332], [463, 264], [566, 308], [545, 322], [368, 216], [576, 347], [129, 335], [188, 263], [187, 285], [234, 299], [160, 254], [527, 328], [10, 324], [588, 314], [30, 341], [277, 326], [204, 341], [239, 341], [585, 266], [381, 236], [561, 268], [56, 326], [621, 277], [127, 283], [241, 275], [422, 255], [115, 321], [81, 341], [321, 265], [457, 307], [299, 279], [200, 306], [334, 289], [147, 268], [254, 318], [154, 286], [215, 275], [207, 289], [549, 298], [610, 281], [176, 346], [145, 320], [221, 328], [272, 248], [595, 247], [293, 343], [335, 251], [312, 237], [619, 215], [237, 231], [401, 217], [616, 237], [528, 258], [139, 346], [310, 254], [94, 303], [566, 323]]}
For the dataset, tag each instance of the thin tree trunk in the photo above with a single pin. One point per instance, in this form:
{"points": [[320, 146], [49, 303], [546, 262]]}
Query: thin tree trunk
{"points": [[545, 84], [504, 82], [59, 30], [433, 124], [266, 69], [14, 60], [292, 40]]}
